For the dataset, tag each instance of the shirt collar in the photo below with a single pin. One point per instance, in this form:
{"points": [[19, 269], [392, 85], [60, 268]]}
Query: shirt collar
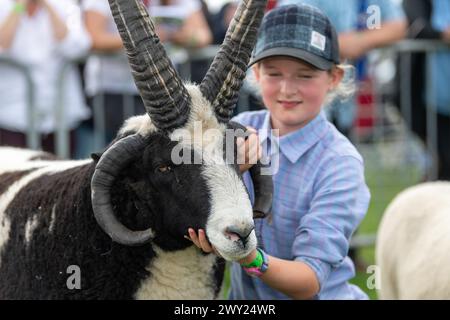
{"points": [[295, 144]]}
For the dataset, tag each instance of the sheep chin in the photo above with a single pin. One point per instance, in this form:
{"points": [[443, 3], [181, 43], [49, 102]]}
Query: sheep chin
{"points": [[233, 251]]}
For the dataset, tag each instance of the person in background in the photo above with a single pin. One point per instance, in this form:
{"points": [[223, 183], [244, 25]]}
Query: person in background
{"points": [[108, 80], [43, 35], [430, 19], [222, 19], [107, 74], [181, 22], [320, 195]]}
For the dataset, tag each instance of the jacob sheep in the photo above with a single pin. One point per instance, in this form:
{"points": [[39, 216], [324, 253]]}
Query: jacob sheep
{"points": [[413, 244], [121, 219]]}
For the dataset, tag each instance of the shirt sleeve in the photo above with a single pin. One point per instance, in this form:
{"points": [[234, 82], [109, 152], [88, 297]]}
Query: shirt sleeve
{"points": [[77, 42], [339, 204]]}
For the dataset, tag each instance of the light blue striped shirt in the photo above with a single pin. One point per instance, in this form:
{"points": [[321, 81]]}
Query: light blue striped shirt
{"points": [[320, 198]]}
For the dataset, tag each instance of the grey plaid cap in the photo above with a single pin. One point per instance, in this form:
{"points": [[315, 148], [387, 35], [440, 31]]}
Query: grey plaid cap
{"points": [[299, 31]]}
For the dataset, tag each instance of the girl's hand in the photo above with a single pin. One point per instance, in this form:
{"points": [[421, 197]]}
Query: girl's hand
{"points": [[201, 241], [248, 151]]}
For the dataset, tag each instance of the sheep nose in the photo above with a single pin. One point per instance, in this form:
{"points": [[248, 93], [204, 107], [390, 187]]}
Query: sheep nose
{"points": [[242, 233]]}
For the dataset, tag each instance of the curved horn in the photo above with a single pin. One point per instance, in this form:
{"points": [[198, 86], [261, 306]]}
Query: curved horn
{"points": [[108, 168], [165, 98], [262, 184], [224, 78], [263, 188]]}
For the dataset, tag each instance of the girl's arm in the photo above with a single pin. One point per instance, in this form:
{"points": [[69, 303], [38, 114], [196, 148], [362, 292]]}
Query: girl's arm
{"points": [[9, 26], [293, 278], [194, 33], [59, 27], [355, 44], [102, 40]]}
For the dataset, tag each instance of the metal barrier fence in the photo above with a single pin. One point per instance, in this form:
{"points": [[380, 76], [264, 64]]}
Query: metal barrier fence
{"points": [[183, 60], [62, 132], [382, 144], [33, 140], [406, 48]]}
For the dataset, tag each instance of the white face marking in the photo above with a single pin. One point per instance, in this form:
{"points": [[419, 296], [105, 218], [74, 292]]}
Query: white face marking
{"points": [[184, 274], [230, 205], [230, 208]]}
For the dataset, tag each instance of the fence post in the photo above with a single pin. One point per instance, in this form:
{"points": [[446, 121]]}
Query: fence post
{"points": [[432, 129], [33, 137], [408, 47], [62, 136]]}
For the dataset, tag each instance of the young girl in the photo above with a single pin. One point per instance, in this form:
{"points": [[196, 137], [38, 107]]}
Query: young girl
{"points": [[320, 195]]}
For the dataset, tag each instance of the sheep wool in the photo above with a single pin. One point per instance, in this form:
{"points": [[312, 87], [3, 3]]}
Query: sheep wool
{"points": [[413, 244]]}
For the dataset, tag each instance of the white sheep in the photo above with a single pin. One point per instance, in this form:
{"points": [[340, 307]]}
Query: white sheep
{"points": [[413, 244]]}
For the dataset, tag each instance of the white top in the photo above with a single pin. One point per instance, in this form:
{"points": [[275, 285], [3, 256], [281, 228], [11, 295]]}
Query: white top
{"points": [[112, 73], [180, 9], [35, 47]]}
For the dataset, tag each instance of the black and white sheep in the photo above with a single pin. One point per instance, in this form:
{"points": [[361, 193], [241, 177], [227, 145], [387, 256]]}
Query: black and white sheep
{"points": [[121, 219], [413, 244]]}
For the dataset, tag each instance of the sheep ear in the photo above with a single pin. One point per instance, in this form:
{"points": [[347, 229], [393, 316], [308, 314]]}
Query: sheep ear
{"points": [[262, 184], [96, 156]]}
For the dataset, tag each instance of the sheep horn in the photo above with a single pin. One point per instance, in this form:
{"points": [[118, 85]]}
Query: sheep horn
{"points": [[224, 78], [111, 163], [165, 98], [262, 184]]}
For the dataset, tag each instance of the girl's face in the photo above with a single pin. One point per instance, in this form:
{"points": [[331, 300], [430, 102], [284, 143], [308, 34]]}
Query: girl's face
{"points": [[293, 91]]}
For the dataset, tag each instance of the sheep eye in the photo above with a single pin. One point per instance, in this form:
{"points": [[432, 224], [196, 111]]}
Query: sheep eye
{"points": [[164, 168]]}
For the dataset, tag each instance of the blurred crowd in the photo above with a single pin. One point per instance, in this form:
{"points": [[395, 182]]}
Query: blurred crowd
{"points": [[80, 37]]}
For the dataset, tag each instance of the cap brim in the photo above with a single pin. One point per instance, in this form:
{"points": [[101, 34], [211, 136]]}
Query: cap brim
{"points": [[314, 60]]}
